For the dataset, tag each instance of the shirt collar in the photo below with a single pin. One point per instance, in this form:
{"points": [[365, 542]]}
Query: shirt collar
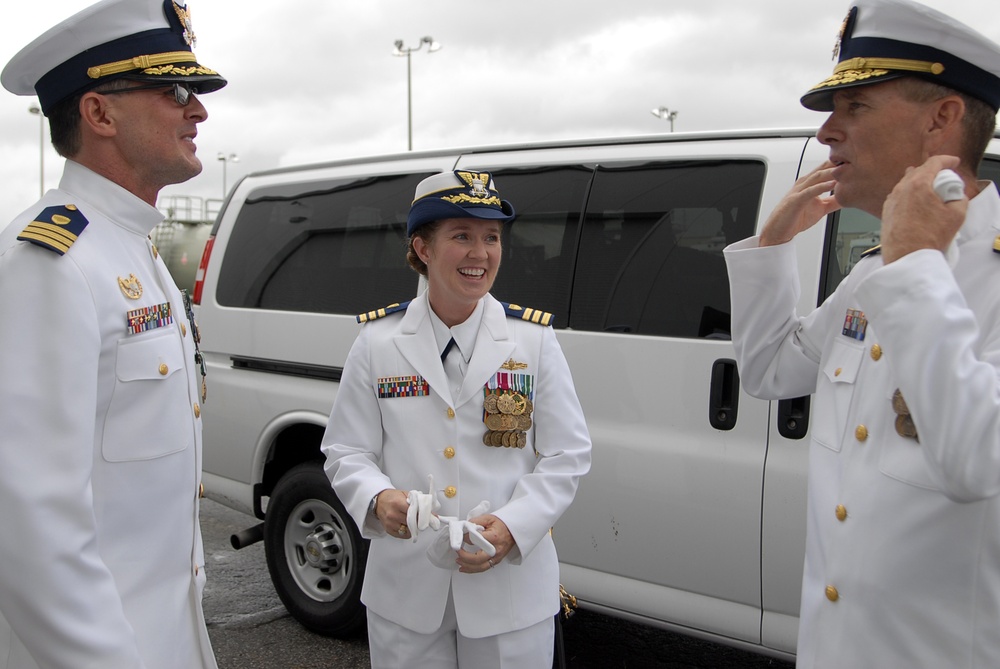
{"points": [[464, 333]]}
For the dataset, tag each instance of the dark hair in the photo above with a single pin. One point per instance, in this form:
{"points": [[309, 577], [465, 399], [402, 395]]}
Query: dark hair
{"points": [[425, 232], [64, 119], [978, 124]]}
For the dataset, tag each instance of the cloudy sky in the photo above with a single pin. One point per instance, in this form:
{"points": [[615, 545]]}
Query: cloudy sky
{"points": [[315, 80]]}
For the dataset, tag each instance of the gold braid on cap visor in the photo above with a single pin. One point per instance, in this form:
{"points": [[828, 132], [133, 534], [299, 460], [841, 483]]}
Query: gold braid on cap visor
{"points": [[141, 63], [859, 69]]}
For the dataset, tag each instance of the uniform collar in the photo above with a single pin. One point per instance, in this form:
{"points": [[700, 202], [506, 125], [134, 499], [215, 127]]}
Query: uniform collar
{"points": [[464, 333], [117, 204]]}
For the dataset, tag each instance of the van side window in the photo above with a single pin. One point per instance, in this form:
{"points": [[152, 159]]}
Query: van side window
{"points": [[647, 258], [540, 246], [330, 247], [651, 251]]}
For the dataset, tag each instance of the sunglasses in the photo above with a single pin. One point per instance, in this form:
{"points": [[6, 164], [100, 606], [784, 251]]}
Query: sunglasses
{"points": [[182, 92]]}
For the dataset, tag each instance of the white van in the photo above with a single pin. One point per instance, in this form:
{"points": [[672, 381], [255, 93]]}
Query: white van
{"points": [[693, 515]]}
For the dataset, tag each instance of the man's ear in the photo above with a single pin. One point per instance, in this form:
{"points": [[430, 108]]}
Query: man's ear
{"points": [[947, 114], [95, 116]]}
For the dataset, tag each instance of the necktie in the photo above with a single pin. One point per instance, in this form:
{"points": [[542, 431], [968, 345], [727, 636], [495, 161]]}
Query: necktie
{"points": [[452, 365]]}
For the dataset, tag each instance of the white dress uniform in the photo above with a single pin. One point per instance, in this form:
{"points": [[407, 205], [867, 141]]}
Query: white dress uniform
{"points": [[100, 462], [903, 539], [395, 422]]}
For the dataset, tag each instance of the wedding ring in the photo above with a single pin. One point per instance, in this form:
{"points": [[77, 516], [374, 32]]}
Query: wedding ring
{"points": [[491, 563], [402, 530]]}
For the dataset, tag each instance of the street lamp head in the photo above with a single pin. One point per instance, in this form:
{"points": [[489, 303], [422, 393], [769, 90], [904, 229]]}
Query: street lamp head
{"points": [[432, 46], [231, 158], [398, 50]]}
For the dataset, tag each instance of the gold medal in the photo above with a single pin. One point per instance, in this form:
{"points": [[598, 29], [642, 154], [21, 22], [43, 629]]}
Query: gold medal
{"points": [[524, 422], [494, 421], [520, 404], [508, 422], [506, 404], [899, 404], [486, 438], [522, 440], [905, 426], [496, 439], [490, 404]]}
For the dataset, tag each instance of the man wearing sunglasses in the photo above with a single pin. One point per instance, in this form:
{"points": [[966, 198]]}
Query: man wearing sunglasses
{"points": [[100, 391]]}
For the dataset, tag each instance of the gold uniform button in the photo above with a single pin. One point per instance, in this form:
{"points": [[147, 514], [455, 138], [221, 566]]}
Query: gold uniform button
{"points": [[838, 371], [201, 491], [832, 594], [449, 452], [876, 352], [450, 412], [184, 330], [861, 433], [841, 512], [164, 369], [450, 491], [197, 410]]}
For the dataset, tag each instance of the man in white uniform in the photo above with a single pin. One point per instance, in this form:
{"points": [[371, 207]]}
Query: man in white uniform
{"points": [[100, 448], [902, 561]]}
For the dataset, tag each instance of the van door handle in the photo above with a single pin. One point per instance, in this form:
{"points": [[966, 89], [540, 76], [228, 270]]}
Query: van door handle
{"points": [[793, 417], [724, 395]]}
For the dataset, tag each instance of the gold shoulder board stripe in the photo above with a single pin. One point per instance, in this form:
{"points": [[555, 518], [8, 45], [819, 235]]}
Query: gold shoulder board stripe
{"points": [[55, 228], [528, 314], [384, 311]]}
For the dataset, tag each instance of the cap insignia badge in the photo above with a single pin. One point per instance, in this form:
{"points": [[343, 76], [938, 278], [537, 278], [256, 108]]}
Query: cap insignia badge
{"points": [[184, 14], [845, 31], [131, 287], [478, 182]]}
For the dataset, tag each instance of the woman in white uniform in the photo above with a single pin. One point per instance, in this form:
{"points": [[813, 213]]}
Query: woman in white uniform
{"points": [[470, 400]]}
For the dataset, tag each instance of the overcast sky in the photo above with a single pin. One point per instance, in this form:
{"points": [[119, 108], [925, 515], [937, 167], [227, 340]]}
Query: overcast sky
{"points": [[315, 80]]}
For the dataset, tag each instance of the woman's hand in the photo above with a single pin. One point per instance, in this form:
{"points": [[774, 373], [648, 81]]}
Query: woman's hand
{"points": [[495, 531], [391, 509]]}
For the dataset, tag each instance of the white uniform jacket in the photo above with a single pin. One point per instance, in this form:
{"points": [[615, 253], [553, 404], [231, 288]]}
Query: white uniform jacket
{"points": [[903, 539], [373, 443], [100, 444]]}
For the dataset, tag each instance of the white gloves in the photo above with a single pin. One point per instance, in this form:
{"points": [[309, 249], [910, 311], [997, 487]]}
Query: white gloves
{"points": [[420, 515], [442, 552]]}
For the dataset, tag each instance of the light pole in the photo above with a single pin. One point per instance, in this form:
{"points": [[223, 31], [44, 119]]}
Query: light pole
{"points": [[231, 158], [400, 50], [664, 113], [35, 109]]}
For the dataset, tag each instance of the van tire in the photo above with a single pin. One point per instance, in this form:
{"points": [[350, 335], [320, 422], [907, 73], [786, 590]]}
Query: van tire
{"points": [[315, 554]]}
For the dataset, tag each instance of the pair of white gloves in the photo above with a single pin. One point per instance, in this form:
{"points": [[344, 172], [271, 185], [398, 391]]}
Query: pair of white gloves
{"points": [[442, 551]]}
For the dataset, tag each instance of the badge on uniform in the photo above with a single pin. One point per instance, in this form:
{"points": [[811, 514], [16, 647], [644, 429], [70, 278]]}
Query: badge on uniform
{"points": [[855, 324], [402, 386], [508, 401]]}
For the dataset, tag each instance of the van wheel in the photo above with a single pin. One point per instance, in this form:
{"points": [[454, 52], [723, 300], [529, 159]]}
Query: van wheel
{"points": [[315, 553]]}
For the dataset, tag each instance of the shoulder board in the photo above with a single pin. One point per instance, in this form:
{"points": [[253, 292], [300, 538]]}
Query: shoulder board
{"points": [[56, 228], [384, 311], [528, 314], [873, 251]]}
